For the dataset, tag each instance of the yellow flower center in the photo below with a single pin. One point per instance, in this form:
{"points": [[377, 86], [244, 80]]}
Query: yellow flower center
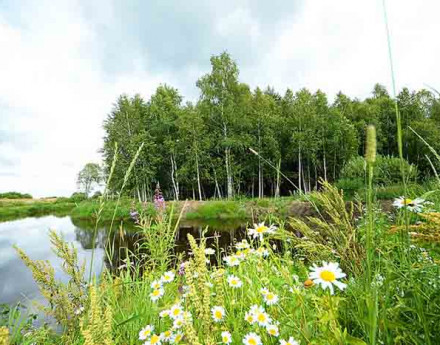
{"points": [[261, 317], [270, 296], [225, 339], [328, 276], [407, 201], [272, 331], [176, 312], [252, 341], [167, 333], [261, 229], [178, 338], [156, 293], [218, 314], [146, 333], [154, 339]]}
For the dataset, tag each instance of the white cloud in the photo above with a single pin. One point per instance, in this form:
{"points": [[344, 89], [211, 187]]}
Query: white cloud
{"points": [[341, 45], [56, 94]]}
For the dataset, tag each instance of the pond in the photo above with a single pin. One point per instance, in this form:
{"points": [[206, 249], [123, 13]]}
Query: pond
{"points": [[31, 235]]}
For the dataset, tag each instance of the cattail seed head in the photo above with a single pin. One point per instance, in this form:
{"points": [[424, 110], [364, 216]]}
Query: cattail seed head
{"points": [[370, 151]]}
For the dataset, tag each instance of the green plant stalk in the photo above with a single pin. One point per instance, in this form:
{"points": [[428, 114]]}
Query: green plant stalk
{"points": [[404, 234], [101, 208]]}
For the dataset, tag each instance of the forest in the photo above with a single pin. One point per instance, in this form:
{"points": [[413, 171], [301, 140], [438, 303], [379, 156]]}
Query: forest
{"points": [[235, 141]]}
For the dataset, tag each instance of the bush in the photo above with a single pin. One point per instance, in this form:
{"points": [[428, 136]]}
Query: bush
{"points": [[386, 172], [78, 197], [15, 195]]}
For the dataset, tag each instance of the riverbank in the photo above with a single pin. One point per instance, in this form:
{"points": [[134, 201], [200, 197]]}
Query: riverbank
{"points": [[207, 210]]}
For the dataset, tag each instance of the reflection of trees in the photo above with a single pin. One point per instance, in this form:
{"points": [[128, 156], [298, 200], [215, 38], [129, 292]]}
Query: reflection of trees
{"points": [[123, 242]]}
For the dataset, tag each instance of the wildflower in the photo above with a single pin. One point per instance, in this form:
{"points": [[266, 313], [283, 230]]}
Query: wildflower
{"points": [[178, 323], [262, 318], [164, 313], [327, 276], [145, 332], [167, 277], [209, 251], [181, 271], [226, 337], [256, 309], [262, 252], [252, 339], [264, 291], [415, 205], [260, 229], [232, 260], [154, 340], [166, 335], [175, 311], [270, 298], [234, 281], [250, 317], [242, 245], [290, 341], [156, 294], [79, 311], [177, 337], [218, 313], [273, 330], [157, 284]]}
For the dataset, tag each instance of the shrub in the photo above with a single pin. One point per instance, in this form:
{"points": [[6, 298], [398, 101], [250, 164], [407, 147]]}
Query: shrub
{"points": [[78, 197], [386, 172], [15, 195]]}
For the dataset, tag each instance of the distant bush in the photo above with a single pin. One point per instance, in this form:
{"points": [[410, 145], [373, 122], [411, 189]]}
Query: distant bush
{"points": [[97, 195], [15, 195], [78, 197], [62, 200], [386, 171]]}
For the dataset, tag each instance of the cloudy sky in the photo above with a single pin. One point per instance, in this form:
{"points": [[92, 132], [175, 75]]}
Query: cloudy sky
{"points": [[63, 63]]}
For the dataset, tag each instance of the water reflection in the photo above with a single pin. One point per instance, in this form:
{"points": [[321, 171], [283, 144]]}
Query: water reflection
{"points": [[31, 235]]}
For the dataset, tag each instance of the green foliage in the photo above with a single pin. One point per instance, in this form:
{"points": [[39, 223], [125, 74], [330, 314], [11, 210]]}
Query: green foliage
{"points": [[11, 211], [89, 176], [78, 197], [386, 171], [15, 195], [218, 210]]}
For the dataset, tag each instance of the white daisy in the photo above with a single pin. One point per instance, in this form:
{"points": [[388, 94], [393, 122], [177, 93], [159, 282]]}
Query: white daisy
{"points": [[256, 309], [154, 340], [218, 313], [242, 245], [156, 294], [164, 313], [146, 332], [260, 229], [252, 339], [414, 205], [209, 251], [156, 284], [167, 277], [270, 298], [250, 317], [264, 291], [178, 323], [234, 281], [327, 275], [273, 330], [175, 311], [177, 338], [262, 252], [232, 260], [226, 337], [166, 336], [263, 318], [290, 341]]}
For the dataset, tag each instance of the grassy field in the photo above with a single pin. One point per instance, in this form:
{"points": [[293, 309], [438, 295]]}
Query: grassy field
{"points": [[334, 284]]}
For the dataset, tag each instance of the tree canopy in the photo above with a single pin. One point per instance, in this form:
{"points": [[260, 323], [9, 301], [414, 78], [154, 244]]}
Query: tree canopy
{"points": [[201, 150]]}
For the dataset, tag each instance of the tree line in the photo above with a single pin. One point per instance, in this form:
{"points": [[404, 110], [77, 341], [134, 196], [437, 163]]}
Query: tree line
{"points": [[202, 150]]}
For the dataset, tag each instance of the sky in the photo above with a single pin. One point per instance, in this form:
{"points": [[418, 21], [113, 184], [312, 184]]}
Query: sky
{"points": [[64, 63]]}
